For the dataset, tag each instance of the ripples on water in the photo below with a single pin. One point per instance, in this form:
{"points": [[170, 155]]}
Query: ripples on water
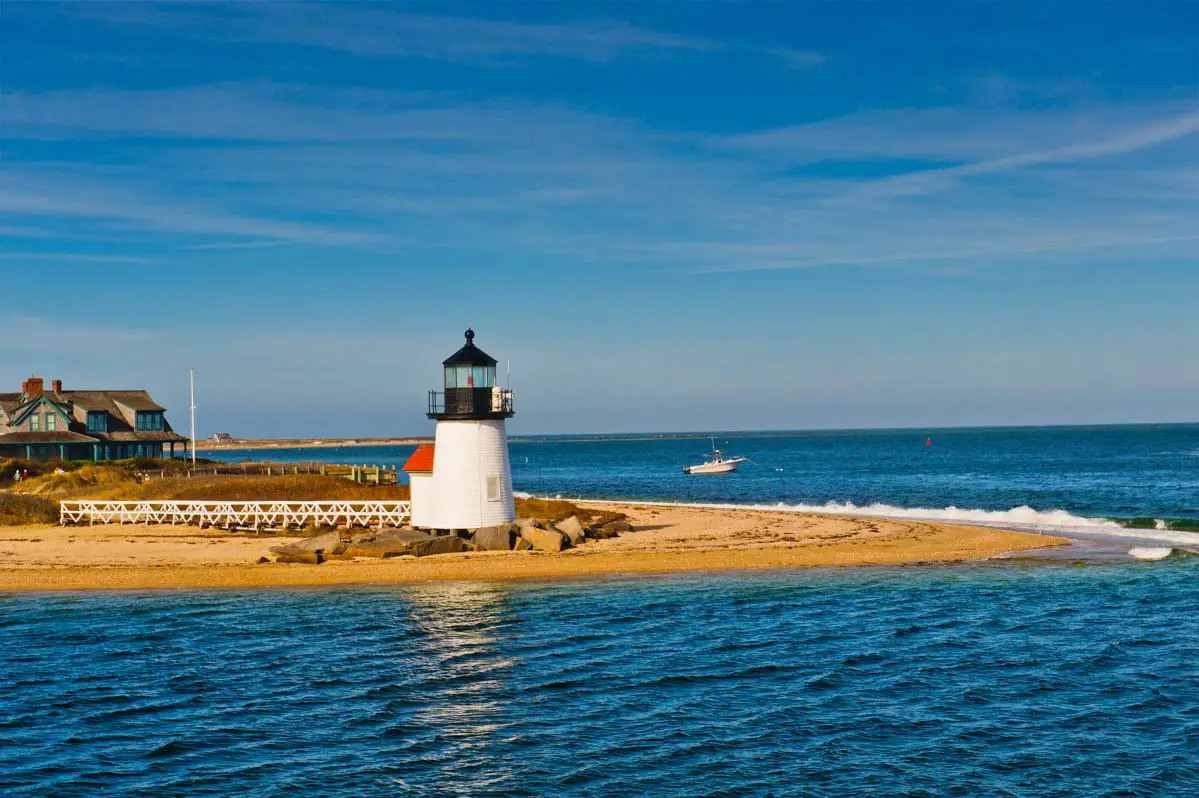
{"points": [[993, 679], [1118, 472]]}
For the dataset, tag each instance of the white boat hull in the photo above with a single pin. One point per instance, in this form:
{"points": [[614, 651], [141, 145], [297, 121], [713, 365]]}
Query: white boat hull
{"points": [[713, 468]]}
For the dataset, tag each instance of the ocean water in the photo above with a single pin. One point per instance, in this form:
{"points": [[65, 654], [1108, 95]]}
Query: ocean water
{"points": [[1046, 477], [1010, 679]]}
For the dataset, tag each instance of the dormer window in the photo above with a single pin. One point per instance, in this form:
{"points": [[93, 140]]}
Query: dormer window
{"points": [[51, 422], [35, 423], [97, 421], [149, 421]]}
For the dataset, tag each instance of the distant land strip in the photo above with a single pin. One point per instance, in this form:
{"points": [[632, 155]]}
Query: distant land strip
{"points": [[311, 443]]}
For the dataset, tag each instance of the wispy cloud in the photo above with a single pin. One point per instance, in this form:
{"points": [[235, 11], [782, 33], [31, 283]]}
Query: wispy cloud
{"points": [[952, 134], [1139, 137], [75, 257], [60, 192], [268, 165], [379, 32], [801, 60]]}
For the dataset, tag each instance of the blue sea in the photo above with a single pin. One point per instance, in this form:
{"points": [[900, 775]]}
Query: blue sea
{"points": [[1065, 676], [1037, 477], [1012, 679]]}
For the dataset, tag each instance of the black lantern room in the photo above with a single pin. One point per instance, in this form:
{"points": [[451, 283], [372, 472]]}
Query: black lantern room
{"points": [[470, 389]]}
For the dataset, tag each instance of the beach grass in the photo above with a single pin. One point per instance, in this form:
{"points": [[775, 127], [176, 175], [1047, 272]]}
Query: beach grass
{"points": [[37, 499], [18, 510]]}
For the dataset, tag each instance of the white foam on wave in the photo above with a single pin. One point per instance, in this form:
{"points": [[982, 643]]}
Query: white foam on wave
{"points": [[1022, 519], [1150, 553]]}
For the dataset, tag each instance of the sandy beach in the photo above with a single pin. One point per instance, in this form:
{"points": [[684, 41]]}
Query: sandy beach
{"points": [[665, 540]]}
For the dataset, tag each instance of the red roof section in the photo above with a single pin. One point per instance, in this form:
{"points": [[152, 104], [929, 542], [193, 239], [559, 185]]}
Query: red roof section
{"points": [[421, 459]]}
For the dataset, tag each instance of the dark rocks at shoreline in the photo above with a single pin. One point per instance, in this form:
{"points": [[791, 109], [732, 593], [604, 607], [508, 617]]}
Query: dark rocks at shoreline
{"points": [[572, 530], [544, 539], [301, 558], [445, 544], [524, 534], [494, 538], [321, 544]]}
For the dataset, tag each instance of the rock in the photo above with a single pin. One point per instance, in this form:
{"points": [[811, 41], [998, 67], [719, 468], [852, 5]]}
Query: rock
{"points": [[493, 538], [446, 544], [371, 549], [619, 525], [401, 536], [544, 539], [326, 542], [522, 545], [385, 543], [304, 557], [572, 529], [599, 533], [263, 560], [529, 523]]}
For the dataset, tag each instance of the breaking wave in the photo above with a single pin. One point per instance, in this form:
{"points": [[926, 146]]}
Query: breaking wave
{"points": [[1023, 518]]}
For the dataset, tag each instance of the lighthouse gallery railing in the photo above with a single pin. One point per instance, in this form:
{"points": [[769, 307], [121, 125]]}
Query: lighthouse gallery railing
{"points": [[472, 400], [253, 515]]}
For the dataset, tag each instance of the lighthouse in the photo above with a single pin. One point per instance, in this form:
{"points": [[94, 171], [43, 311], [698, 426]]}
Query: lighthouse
{"points": [[471, 482]]}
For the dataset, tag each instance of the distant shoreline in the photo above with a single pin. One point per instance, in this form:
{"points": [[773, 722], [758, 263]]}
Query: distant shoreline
{"points": [[304, 443], [332, 443]]}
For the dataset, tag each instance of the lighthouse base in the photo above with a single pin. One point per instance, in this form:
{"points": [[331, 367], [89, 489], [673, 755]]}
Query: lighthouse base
{"points": [[472, 476]]}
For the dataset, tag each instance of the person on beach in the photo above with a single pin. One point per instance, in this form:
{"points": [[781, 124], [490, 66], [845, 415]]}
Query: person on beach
{"points": [[16, 476], [24, 474]]}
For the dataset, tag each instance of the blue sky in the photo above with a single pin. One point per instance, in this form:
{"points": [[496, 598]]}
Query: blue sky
{"points": [[669, 216]]}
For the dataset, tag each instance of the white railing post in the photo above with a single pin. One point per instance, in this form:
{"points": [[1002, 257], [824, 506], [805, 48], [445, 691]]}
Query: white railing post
{"points": [[269, 515]]}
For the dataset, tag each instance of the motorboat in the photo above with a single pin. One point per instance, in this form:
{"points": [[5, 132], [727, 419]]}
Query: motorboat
{"points": [[716, 463]]}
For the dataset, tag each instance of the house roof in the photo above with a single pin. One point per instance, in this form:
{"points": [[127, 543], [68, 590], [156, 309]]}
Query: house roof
{"points": [[469, 355], [115, 403], [19, 410], [421, 459], [134, 400], [45, 437], [166, 435]]}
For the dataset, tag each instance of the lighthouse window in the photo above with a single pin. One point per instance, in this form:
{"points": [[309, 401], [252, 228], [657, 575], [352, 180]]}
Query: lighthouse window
{"points": [[483, 377], [469, 377], [493, 489]]}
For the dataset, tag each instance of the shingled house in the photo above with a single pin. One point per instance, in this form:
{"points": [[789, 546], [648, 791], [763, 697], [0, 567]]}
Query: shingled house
{"points": [[37, 424]]}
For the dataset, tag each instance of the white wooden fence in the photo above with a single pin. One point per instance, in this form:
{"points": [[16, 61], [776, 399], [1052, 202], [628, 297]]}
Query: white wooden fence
{"points": [[252, 515]]}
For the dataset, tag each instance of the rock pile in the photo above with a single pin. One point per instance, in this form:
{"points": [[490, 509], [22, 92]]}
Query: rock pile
{"points": [[530, 533], [525, 534]]}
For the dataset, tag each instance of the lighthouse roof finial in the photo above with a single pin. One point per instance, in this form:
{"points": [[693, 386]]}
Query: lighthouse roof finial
{"points": [[470, 355]]}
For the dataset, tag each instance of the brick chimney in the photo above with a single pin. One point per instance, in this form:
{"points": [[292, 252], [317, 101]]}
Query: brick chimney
{"points": [[34, 387], [56, 386]]}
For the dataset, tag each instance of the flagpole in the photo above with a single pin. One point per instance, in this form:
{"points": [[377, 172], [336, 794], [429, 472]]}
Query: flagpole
{"points": [[192, 374]]}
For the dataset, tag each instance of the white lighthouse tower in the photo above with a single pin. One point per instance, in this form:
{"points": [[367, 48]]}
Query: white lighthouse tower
{"points": [[472, 477]]}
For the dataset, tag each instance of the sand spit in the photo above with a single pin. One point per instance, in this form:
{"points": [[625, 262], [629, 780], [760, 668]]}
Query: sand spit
{"points": [[665, 540]]}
